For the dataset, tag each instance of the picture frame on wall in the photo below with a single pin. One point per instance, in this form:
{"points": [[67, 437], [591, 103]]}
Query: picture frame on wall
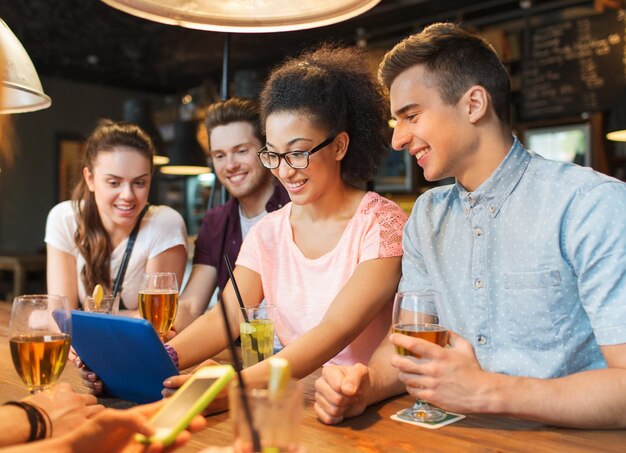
{"points": [[69, 171]]}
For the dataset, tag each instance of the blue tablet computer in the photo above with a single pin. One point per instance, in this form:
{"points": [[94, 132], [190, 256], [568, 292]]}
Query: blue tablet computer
{"points": [[125, 353]]}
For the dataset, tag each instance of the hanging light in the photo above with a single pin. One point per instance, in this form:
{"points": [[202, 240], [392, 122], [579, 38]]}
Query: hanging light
{"points": [[22, 90], [186, 155], [139, 112], [245, 16]]}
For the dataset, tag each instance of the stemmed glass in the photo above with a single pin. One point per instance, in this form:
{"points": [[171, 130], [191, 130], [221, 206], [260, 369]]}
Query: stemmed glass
{"points": [[40, 334], [415, 314], [158, 300]]}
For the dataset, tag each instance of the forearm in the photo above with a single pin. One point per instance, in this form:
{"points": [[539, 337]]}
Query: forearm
{"points": [[206, 336], [184, 317], [189, 309], [173, 260], [14, 428], [310, 351], [358, 303], [201, 340], [58, 445], [384, 381], [592, 399], [195, 299]]}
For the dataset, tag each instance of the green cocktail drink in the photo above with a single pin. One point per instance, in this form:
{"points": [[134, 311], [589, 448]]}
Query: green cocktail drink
{"points": [[257, 341]]}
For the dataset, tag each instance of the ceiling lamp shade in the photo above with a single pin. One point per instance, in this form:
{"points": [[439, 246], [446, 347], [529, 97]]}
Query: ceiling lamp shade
{"points": [[186, 155], [139, 112], [245, 16], [21, 88]]}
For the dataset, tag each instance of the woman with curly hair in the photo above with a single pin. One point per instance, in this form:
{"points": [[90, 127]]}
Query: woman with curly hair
{"points": [[329, 260], [87, 237]]}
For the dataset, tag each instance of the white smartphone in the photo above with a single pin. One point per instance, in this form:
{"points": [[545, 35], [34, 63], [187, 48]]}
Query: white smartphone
{"points": [[188, 401]]}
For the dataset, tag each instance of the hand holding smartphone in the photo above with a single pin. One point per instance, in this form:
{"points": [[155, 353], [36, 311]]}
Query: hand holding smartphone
{"points": [[188, 401]]}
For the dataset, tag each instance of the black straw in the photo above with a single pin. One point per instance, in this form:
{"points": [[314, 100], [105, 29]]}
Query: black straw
{"points": [[237, 293], [253, 341], [256, 443]]}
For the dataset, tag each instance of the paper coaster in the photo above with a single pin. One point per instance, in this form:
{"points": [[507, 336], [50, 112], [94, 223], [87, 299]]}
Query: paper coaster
{"points": [[450, 418]]}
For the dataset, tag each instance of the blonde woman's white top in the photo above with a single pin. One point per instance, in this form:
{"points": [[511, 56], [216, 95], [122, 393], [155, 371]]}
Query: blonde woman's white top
{"points": [[161, 229]]}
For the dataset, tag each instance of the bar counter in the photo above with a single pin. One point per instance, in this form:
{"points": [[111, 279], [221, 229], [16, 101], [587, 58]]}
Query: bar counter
{"points": [[373, 431]]}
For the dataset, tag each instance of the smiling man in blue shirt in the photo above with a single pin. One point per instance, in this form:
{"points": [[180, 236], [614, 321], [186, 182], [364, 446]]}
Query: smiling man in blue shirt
{"points": [[528, 254]]}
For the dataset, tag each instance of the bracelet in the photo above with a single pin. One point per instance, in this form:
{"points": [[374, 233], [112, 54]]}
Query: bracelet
{"points": [[172, 353], [49, 421], [36, 419]]}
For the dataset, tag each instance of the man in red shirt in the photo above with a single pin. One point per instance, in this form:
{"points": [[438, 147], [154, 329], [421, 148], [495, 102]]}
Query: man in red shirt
{"points": [[235, 136]]}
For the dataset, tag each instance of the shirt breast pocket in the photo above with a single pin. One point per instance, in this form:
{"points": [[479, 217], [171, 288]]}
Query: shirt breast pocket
{"points": [[534, 309]]}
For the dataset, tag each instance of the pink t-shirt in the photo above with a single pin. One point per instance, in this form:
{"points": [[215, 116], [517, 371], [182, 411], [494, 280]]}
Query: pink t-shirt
{"points": [[302, 289]]}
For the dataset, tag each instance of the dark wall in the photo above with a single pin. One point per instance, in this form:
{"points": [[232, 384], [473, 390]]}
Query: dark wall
{"points": [[28, 190]]}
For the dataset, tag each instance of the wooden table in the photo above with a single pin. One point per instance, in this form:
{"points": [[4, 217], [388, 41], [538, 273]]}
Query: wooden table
{"points": [[374, 431]]}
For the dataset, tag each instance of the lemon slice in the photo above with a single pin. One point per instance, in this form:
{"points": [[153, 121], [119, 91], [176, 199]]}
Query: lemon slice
{"points": [[279, 375], [246, 328], [98, 294]]}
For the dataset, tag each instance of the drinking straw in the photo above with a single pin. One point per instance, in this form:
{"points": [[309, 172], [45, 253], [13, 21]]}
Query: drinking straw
{"points": [[232, 277], [253, 341], [256, 443]]}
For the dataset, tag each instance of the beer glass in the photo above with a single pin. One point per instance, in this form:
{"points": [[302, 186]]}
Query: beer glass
{"points": [[415, 314], [158, 300], [40, 334]]}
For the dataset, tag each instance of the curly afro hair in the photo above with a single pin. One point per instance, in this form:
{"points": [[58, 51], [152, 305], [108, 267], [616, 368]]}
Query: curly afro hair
{"points": [[334, 86]]}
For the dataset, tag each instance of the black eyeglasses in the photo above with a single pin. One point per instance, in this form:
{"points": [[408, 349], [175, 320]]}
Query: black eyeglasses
{"points": [[295, 159]]}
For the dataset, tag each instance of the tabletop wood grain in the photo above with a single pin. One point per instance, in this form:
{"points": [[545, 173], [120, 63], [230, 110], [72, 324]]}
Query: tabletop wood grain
{"points": [[374, 431]]}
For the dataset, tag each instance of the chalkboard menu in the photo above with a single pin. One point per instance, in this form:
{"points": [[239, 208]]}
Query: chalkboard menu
{"points": [[573, 67]]}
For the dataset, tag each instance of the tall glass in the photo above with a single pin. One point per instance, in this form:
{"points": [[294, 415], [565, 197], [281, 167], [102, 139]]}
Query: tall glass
{"points": [[415, 314], [276, 418], [257, 335], [158, 300], [40, 334]]}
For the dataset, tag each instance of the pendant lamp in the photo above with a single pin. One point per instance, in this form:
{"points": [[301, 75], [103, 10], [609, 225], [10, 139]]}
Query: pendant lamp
{"points": [[139, 112], [245, 16], [186, 155], [22, 90]]}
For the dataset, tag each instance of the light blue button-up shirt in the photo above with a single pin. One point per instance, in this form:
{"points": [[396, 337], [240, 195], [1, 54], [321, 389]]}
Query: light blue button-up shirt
{"points": [[531, 265]]}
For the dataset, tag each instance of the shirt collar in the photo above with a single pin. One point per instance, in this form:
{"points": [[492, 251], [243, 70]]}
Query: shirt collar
{"points": [[492, 193], [278, 199]]}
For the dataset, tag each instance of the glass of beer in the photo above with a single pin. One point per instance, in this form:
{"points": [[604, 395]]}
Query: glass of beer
{"points": [[415, 314], [40, 334], [158, 300]]}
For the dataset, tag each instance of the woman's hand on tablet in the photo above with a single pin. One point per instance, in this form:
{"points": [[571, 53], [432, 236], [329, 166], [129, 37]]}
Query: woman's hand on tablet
{"points": [[89, 378], [171, 384]]}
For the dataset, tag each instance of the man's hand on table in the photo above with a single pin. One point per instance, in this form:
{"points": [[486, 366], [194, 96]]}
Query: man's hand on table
{"points": [[341, 392], [66, 409]]}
